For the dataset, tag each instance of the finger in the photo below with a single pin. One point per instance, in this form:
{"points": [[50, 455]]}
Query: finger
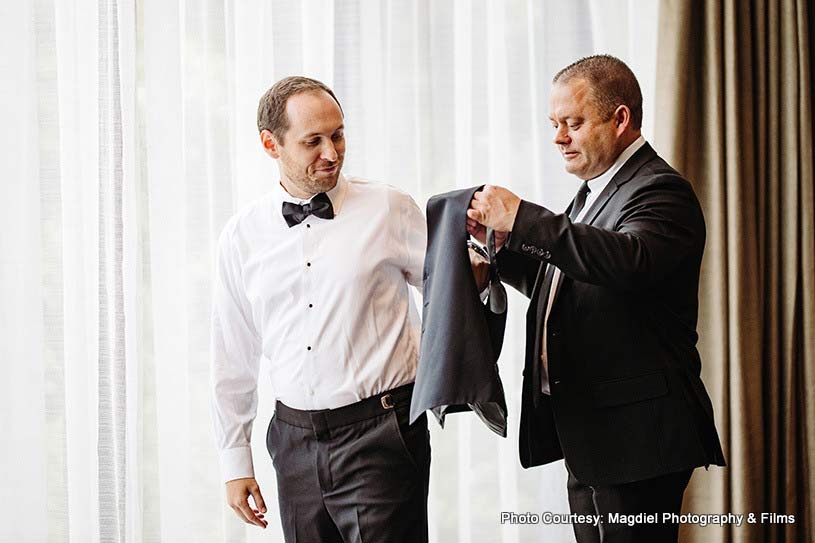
{"points": [[478, 198], [253, 519], [241, 515], [474, 214], [258, 499]]}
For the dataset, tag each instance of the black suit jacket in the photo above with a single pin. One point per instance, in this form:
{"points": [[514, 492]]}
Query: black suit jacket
{"points": [[461, 337], [627, 402]]}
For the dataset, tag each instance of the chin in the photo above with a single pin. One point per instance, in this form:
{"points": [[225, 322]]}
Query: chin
{"points": [[572, 169], [326, 183]]}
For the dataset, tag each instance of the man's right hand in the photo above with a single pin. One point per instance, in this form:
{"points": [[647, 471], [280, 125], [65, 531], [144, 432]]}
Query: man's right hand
{"points": [[237, 494]]}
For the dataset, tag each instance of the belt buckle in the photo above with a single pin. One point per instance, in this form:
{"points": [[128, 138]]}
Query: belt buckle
{"points": [[387, 401]]}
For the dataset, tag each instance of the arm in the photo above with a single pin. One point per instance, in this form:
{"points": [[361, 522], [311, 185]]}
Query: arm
{"points": [[414, 234], [518, 270], [234, 373], [658, 226]]}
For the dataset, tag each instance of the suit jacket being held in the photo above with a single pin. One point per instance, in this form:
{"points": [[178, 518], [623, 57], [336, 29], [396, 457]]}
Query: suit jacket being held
{"points": [[461, 337], [627, 402]]}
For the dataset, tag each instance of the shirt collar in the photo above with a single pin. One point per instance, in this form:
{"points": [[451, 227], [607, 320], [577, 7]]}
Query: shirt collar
{"points": [[599, 182], [336, 195]]}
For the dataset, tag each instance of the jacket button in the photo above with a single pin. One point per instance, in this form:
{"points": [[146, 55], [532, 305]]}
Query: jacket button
{"points": [[547, 255]]}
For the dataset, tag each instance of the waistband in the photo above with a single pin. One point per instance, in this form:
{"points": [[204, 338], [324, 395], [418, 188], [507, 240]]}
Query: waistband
{"points": [[324, 419]]}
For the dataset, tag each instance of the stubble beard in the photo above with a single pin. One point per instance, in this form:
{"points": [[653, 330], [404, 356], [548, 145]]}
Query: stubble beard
{"points": [[314, 185]]}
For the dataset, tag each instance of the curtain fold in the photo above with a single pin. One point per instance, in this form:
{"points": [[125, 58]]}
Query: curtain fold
{"points": [[734, 86], [112, 365], [53, 340]]}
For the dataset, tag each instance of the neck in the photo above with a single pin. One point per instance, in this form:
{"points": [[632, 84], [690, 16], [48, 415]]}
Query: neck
{"points": [[627, 140], [294, 190]]}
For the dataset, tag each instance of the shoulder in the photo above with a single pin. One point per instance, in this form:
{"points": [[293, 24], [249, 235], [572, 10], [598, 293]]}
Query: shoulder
{"points": [[382, 193], [248, 218], [657, 174]]}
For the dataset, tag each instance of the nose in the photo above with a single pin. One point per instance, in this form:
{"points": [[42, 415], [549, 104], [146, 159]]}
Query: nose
{"points": [[329, 152], [561, 135]]}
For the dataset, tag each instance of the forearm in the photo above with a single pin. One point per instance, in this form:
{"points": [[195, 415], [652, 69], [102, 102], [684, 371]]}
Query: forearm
{"points": [[518, 270], [655, 232]]}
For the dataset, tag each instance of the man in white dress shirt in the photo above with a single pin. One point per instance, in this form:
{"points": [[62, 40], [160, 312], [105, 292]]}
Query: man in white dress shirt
{"points": [[314, 277]]}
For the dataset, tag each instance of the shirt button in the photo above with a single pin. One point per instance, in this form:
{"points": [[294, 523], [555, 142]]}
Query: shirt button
{"points": [[308, 226], [310, 305], [308, 348], [308, 263]]}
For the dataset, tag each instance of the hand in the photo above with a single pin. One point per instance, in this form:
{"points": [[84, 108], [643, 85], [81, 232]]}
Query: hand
{"points": [[481, 269], [494, 207], [479, 232], [237, 492]]}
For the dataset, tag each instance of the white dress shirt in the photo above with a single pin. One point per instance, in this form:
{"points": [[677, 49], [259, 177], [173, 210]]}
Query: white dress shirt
{"points": [[325, 302], [596, 187]]}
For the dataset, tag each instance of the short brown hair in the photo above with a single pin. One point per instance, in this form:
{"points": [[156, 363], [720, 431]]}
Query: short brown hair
{"points": [[272, 107], [612, 84]]}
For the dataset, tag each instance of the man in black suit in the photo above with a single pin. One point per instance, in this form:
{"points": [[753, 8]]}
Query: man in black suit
{"points": [[612, 375]]}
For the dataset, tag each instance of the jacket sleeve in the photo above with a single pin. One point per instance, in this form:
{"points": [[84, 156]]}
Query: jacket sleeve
{"points": [[659, 225], [518, 270]]}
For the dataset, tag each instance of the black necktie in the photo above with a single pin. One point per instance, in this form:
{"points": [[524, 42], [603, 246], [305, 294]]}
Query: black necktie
{"points": [[579, 201], [546, 288], [577, 207], [319, 206]]}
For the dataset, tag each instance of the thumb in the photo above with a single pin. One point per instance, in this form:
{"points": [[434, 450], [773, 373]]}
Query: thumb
{"points": [[474, 214], [259, 503]]}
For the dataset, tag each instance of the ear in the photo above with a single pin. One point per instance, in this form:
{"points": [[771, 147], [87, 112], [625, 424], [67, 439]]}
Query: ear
{"points": [[270, 143], [622, 118]]}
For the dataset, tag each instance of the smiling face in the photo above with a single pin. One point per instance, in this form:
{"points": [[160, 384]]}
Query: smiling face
{"points": [[588, 142], [312, 150]]}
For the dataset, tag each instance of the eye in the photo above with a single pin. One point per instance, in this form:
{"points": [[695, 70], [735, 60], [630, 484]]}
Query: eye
{"points": [[574, 126], [312, 143], [338, 136]]}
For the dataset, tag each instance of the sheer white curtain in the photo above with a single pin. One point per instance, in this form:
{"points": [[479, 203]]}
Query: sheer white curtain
{"points": [[128, 138]]}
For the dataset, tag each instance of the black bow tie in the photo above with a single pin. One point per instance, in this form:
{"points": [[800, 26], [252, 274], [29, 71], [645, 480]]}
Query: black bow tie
{"points": [[319, 206]]}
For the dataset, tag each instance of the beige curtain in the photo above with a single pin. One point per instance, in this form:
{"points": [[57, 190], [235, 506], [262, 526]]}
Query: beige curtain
{"points": [[734, 92]]}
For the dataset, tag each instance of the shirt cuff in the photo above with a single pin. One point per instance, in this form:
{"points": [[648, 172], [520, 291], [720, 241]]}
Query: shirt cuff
{"points": [[237, 463]]}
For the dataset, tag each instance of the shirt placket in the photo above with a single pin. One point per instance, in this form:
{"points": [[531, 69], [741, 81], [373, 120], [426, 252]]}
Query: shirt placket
{"points": [[309, 331]]}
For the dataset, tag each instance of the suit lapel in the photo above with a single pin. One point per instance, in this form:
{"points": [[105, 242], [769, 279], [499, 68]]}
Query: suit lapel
{"points": [[644, 154]]}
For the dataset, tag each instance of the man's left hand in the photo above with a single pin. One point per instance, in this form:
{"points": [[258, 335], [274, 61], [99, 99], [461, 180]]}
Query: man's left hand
{"points": [[494, 207], [481, 269]]}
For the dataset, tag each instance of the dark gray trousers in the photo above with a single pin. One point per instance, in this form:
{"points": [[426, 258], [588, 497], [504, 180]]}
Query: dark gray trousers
{"points": [[656, 496], [356, 474]]}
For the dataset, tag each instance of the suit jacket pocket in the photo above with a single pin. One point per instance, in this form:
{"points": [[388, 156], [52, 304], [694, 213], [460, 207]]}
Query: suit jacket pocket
{"points": [[630, 389]]}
